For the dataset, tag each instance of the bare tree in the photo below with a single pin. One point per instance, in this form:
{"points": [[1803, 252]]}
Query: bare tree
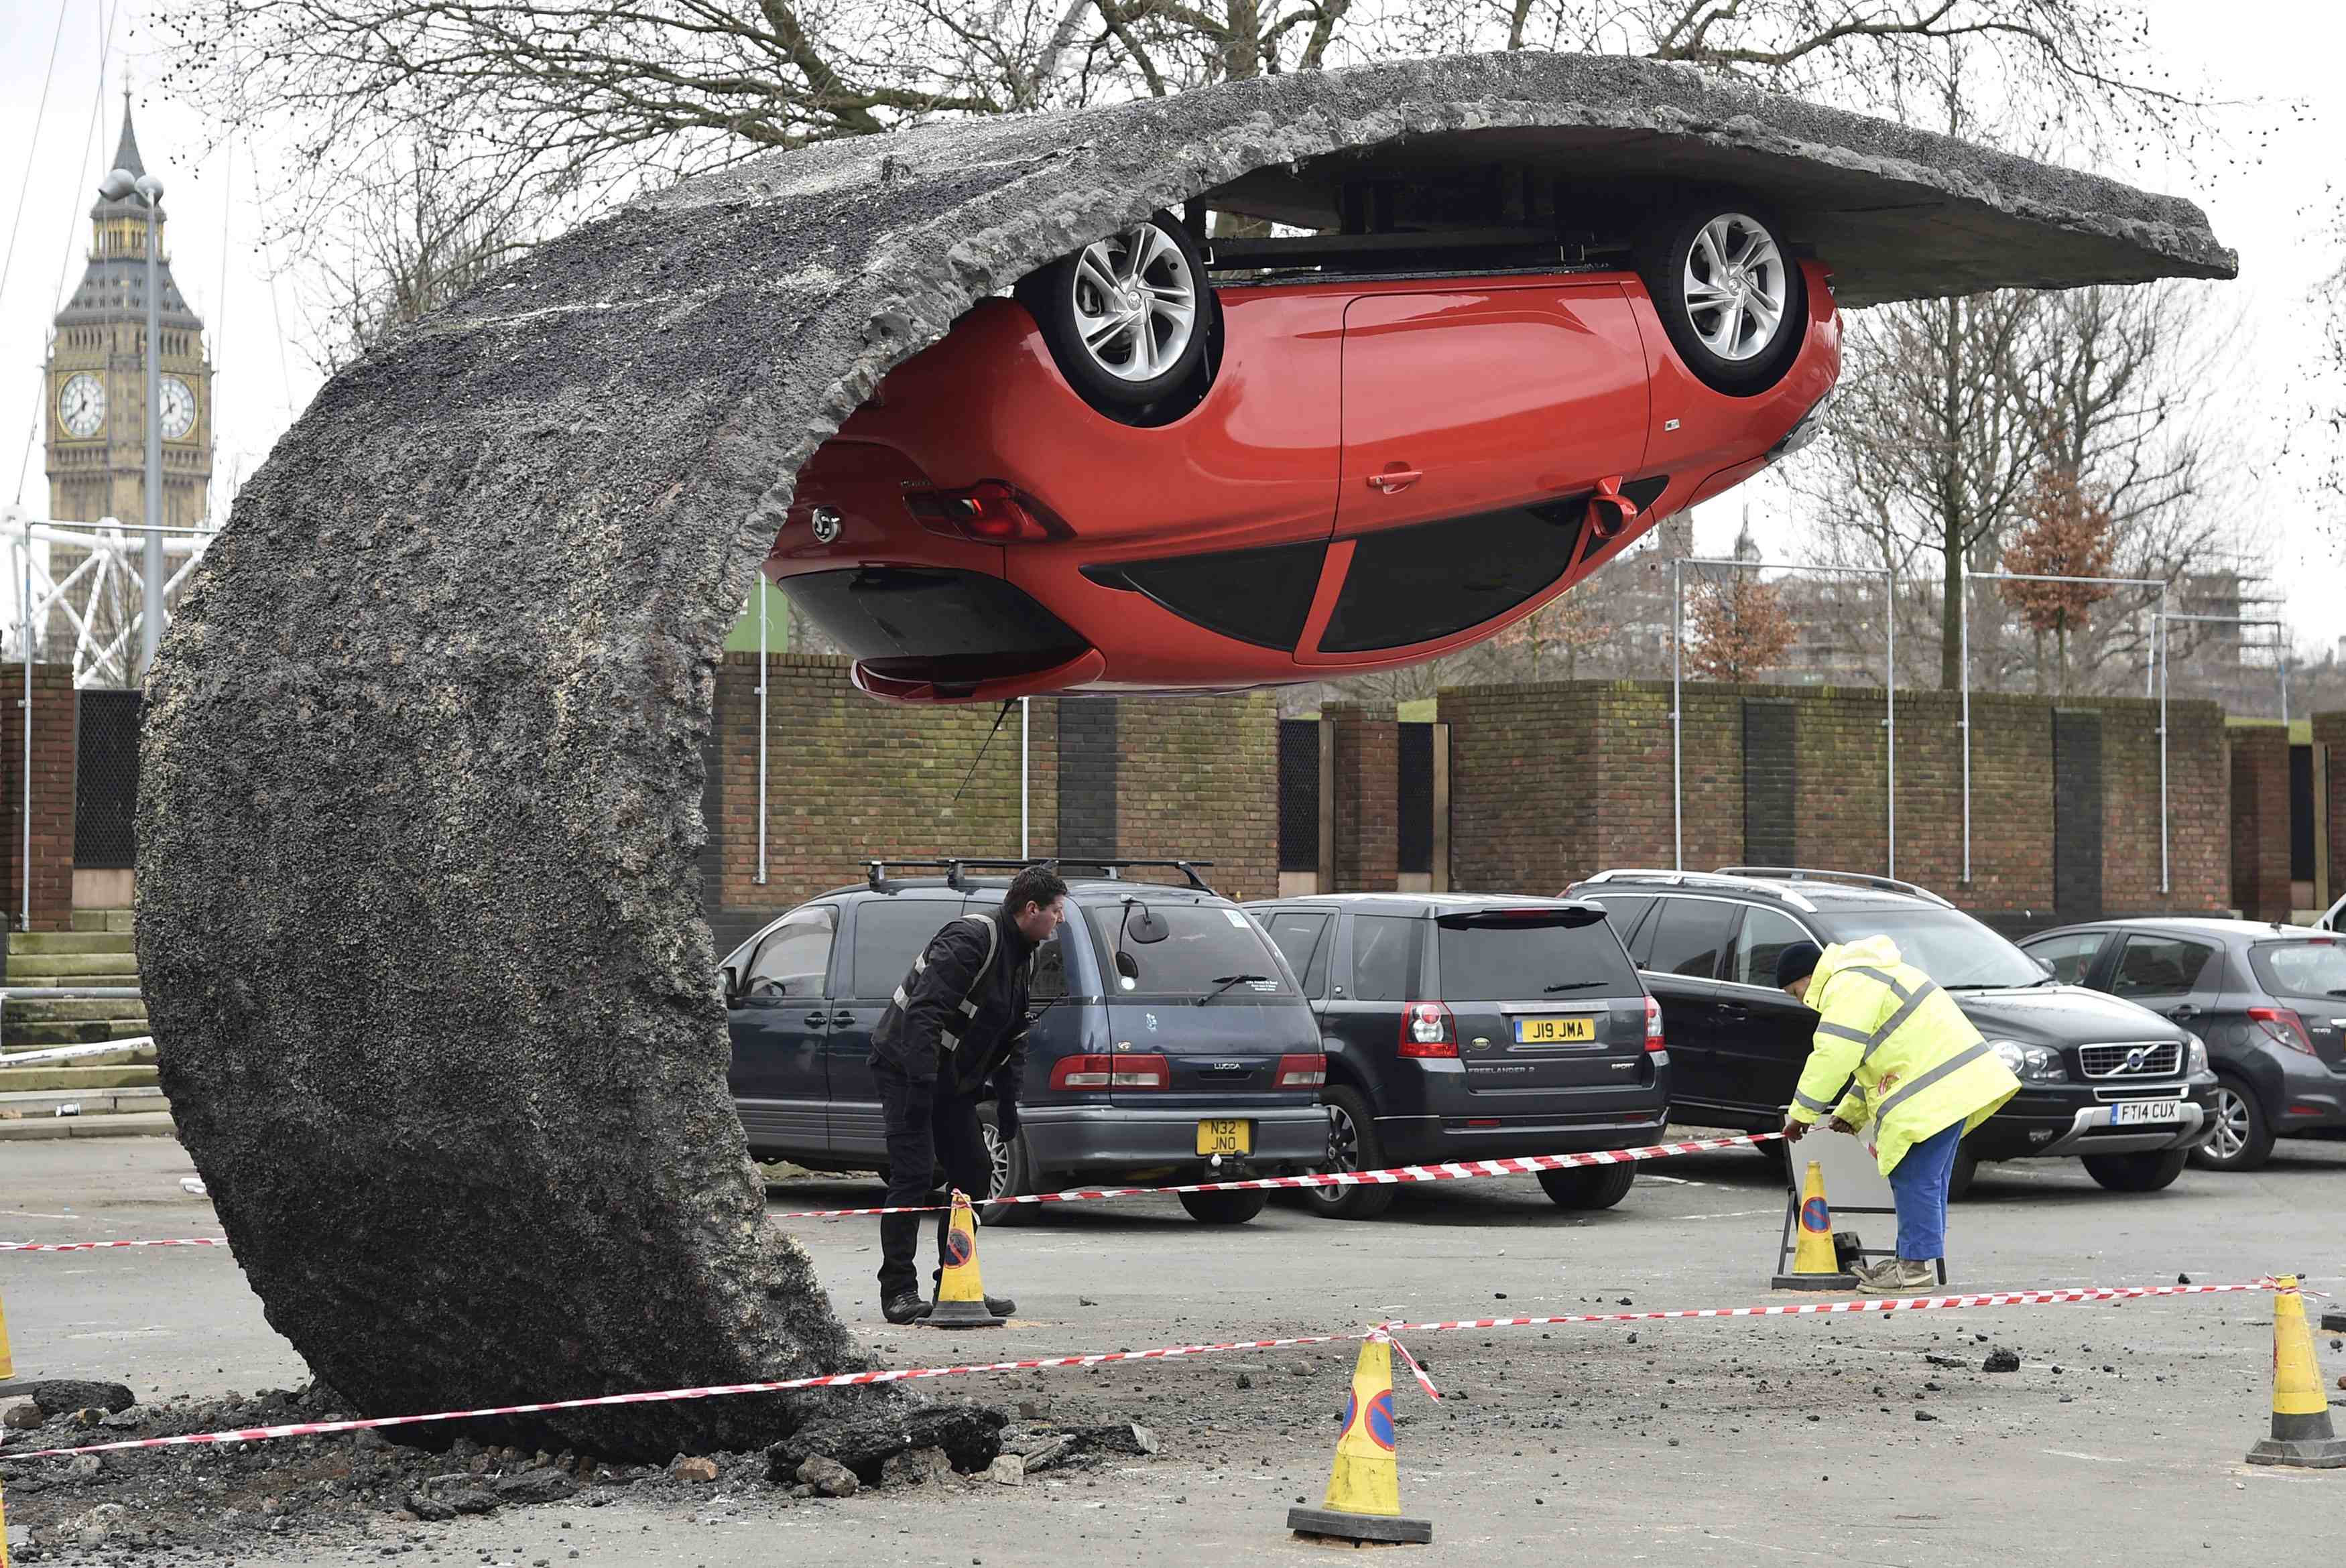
{"points": [[1740, 628], [2067, 534]]}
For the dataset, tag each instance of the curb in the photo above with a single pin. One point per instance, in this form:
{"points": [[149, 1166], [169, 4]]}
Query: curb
{"points": [[118, 1125]]}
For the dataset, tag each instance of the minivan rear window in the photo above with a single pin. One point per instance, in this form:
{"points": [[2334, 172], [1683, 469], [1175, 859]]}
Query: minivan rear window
{"points": [[1204, 946], [1524, 956], [2300, 968]]}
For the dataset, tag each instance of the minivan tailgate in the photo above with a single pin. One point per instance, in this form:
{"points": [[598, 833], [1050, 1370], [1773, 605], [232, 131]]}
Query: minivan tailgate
{"points": [[1225, 1053]]}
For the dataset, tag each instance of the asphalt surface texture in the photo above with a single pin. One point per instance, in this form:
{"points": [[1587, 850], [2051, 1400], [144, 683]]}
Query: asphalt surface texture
{"points": [[2120, 1440]]}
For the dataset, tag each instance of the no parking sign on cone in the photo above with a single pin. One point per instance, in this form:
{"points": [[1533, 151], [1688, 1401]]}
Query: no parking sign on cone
{"points": [[1363, 1501]]}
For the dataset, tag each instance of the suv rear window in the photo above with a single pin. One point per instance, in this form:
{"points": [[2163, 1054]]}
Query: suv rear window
{"points": [[1205, 945], [2300, 968], [1522, 956]]}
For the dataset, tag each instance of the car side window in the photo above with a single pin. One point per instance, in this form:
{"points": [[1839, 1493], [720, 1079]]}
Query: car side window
{"points": [[889, 934], [2159, 965], [1689, 937], [1623, 912], [790, 962], [1385, 956], [2069, 955], [1303, 938], [1766, 933]]}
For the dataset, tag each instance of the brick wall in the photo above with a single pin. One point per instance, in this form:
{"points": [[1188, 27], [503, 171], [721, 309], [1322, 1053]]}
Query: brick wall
{"points": [[2330, 730], [53, 708], [1550, 781], [1199, 780], [1367, 796], [2260, 889]]}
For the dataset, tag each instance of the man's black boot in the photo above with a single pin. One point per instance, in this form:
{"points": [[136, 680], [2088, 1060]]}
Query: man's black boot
{"points": [[903, 1307]]}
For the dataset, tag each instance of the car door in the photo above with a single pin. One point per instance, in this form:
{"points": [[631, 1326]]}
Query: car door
{"points": [[1764, 1035], [2069, 954], [1379, 968], [884, 935], [1684, 944], [1306, 938], [2170, 975], [777, 1019]]}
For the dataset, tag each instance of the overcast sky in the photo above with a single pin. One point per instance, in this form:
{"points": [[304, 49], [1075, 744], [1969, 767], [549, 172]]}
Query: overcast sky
{"points": [[2270, 198]]}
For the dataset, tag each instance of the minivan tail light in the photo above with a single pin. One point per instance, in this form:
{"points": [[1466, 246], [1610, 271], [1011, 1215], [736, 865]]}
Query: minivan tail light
{"points": [[2283, 1028], [1112, 1073], [988, 512], [1428, 1030], [1654, 1041], [1302, 1071]]}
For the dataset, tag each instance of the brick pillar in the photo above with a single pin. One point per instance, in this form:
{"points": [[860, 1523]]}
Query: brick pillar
{"points": [[2260, 888], [2330, 730], [1366, 792], [53, 722]]}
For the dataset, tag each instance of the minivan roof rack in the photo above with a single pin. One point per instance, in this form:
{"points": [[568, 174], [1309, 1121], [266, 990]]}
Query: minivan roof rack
{"points": [[875, 873], [1850, 878], [1699, 879]]}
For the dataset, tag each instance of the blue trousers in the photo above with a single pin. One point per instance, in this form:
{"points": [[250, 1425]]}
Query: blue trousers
{"points": [[1918, 1184]]}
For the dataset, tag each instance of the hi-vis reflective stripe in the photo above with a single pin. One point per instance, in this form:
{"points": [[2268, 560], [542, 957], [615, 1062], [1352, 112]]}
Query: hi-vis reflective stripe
{"points": [[1843, 1031], [1883, 975], [1890, 1025], [1819, 1106], [1959, 1060]]}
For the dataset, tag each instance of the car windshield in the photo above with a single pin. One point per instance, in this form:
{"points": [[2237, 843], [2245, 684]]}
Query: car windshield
{"points": [[2316, 968], [1522, 955], [1206, 949], [1948, 945]]}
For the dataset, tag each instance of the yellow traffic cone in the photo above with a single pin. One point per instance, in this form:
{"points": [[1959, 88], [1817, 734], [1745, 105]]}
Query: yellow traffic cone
{"points": [[2301, 1434], [961, 1294], [1363, 1501], [1815, 1264], [8, 1362]]}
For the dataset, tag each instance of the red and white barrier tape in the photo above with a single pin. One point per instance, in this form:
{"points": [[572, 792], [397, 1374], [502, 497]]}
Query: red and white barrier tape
{"points": [[1454, 1170], [1451, 1170], [1168, 1353]]}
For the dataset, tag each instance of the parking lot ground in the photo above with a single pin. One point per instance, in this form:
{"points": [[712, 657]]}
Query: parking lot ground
{"points": [[2120, 1441]]}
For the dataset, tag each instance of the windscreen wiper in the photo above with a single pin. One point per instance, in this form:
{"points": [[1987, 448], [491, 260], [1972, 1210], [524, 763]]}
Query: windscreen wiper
{"points": [[1227, 982], [1571, 985]]}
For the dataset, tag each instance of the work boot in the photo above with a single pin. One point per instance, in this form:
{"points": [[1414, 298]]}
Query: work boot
{"points": [[1894, 1277], [903, 1307]]}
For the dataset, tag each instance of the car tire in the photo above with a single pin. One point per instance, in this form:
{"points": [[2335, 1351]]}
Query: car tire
{"points": [[1012, 1172], [2243, 1138], [1588, 1186], [1353, 1146], [1224, 1207], [1678, 256], [1131, 370], [2146, 1172], [1960, 1175]]}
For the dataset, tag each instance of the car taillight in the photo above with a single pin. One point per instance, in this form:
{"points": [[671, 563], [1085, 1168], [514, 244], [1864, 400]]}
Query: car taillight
{"points": [[1428, 1030], [1112, 1073], [989, 512], [1302, 1071], [2283, 1028], [1654, 1041]]}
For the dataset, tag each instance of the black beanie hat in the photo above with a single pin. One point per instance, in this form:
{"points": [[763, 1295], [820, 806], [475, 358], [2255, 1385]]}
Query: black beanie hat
{"points": [[1797, 962]]}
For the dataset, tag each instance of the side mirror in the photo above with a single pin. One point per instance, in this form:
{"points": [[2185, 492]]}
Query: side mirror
{"points": [[2046, 967], [1127, 969], [731, 978], [1148, 926]]}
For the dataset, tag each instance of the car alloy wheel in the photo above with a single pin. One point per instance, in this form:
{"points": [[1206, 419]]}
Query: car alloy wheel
{"points": [[997, 1161], [1353, 1146], [1134, 295], [1735, 284], [2242, 1138], [1343, 1152]]}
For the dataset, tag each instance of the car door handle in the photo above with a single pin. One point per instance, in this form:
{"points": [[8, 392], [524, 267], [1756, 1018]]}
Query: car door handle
{"points": [[1395, 479], [1734, 1010], [2183, 1013]]}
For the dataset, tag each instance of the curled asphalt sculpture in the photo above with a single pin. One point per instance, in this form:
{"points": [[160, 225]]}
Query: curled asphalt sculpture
{"points": [[419, 908]]}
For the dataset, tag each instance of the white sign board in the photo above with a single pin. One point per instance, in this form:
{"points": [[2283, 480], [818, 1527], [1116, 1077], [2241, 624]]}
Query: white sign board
{"points": [[1851, 1178]]}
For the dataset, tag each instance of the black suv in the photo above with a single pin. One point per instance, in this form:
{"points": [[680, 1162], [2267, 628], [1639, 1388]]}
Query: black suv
{"points": [[1464, 1027], [1169, 1040], [2118, 1085], [2265, 997]]}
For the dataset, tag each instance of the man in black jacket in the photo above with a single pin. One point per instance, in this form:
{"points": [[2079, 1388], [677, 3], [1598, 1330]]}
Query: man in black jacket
{"points": [[955, 1029]]}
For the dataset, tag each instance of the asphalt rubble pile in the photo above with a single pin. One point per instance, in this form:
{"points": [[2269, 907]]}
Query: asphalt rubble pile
{"points": [[209, 1502]]}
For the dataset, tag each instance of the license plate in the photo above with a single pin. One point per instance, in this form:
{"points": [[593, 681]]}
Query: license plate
{"points": [[1555, 1030], [1226, 1137], [2134, 1113]]}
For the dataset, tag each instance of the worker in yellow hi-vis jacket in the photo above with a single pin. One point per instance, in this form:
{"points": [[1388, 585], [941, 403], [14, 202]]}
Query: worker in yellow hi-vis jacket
{"points": [[1912, 1064]]}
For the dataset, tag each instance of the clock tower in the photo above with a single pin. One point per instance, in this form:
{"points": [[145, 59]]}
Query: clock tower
{"points": [[97, 376]]}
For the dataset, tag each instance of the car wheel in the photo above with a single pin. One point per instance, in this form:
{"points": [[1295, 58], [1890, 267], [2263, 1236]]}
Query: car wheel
{"points": [[2146, 1172], [2243, 1138], [1353, 1146], [1223, 1207], [1588, 1186], [1007, 1173], [1729, 291], [1128, 317], [1959, 1178]]}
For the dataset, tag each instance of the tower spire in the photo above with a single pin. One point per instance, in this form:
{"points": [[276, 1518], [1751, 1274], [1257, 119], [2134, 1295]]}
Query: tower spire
{"points": [[125, 151]]}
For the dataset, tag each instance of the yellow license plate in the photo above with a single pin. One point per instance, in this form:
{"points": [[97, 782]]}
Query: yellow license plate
{"points": [[1226, 1137], [1555, 1030]]}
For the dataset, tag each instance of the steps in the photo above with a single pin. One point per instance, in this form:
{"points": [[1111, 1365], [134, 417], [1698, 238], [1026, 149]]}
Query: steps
{"points": [[99, 951]]}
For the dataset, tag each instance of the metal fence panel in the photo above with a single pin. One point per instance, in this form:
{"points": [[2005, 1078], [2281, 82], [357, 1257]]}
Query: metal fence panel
{"points": [[106, 778], [1298, 794], [1417, 798]]}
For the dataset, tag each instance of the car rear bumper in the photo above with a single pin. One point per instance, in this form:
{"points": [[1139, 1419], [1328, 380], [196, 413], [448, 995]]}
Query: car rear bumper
{"points": [[2050, 1124], [2311, 1095], [1429, 1140], [1101, 1140]]}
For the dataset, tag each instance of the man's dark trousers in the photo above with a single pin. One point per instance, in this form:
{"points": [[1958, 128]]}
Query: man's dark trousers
{"points": [[929, 1125]]}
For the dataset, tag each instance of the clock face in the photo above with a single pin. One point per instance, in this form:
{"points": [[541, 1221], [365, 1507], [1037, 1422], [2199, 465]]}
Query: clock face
{"points": [[81, 405], [179, 408]]}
